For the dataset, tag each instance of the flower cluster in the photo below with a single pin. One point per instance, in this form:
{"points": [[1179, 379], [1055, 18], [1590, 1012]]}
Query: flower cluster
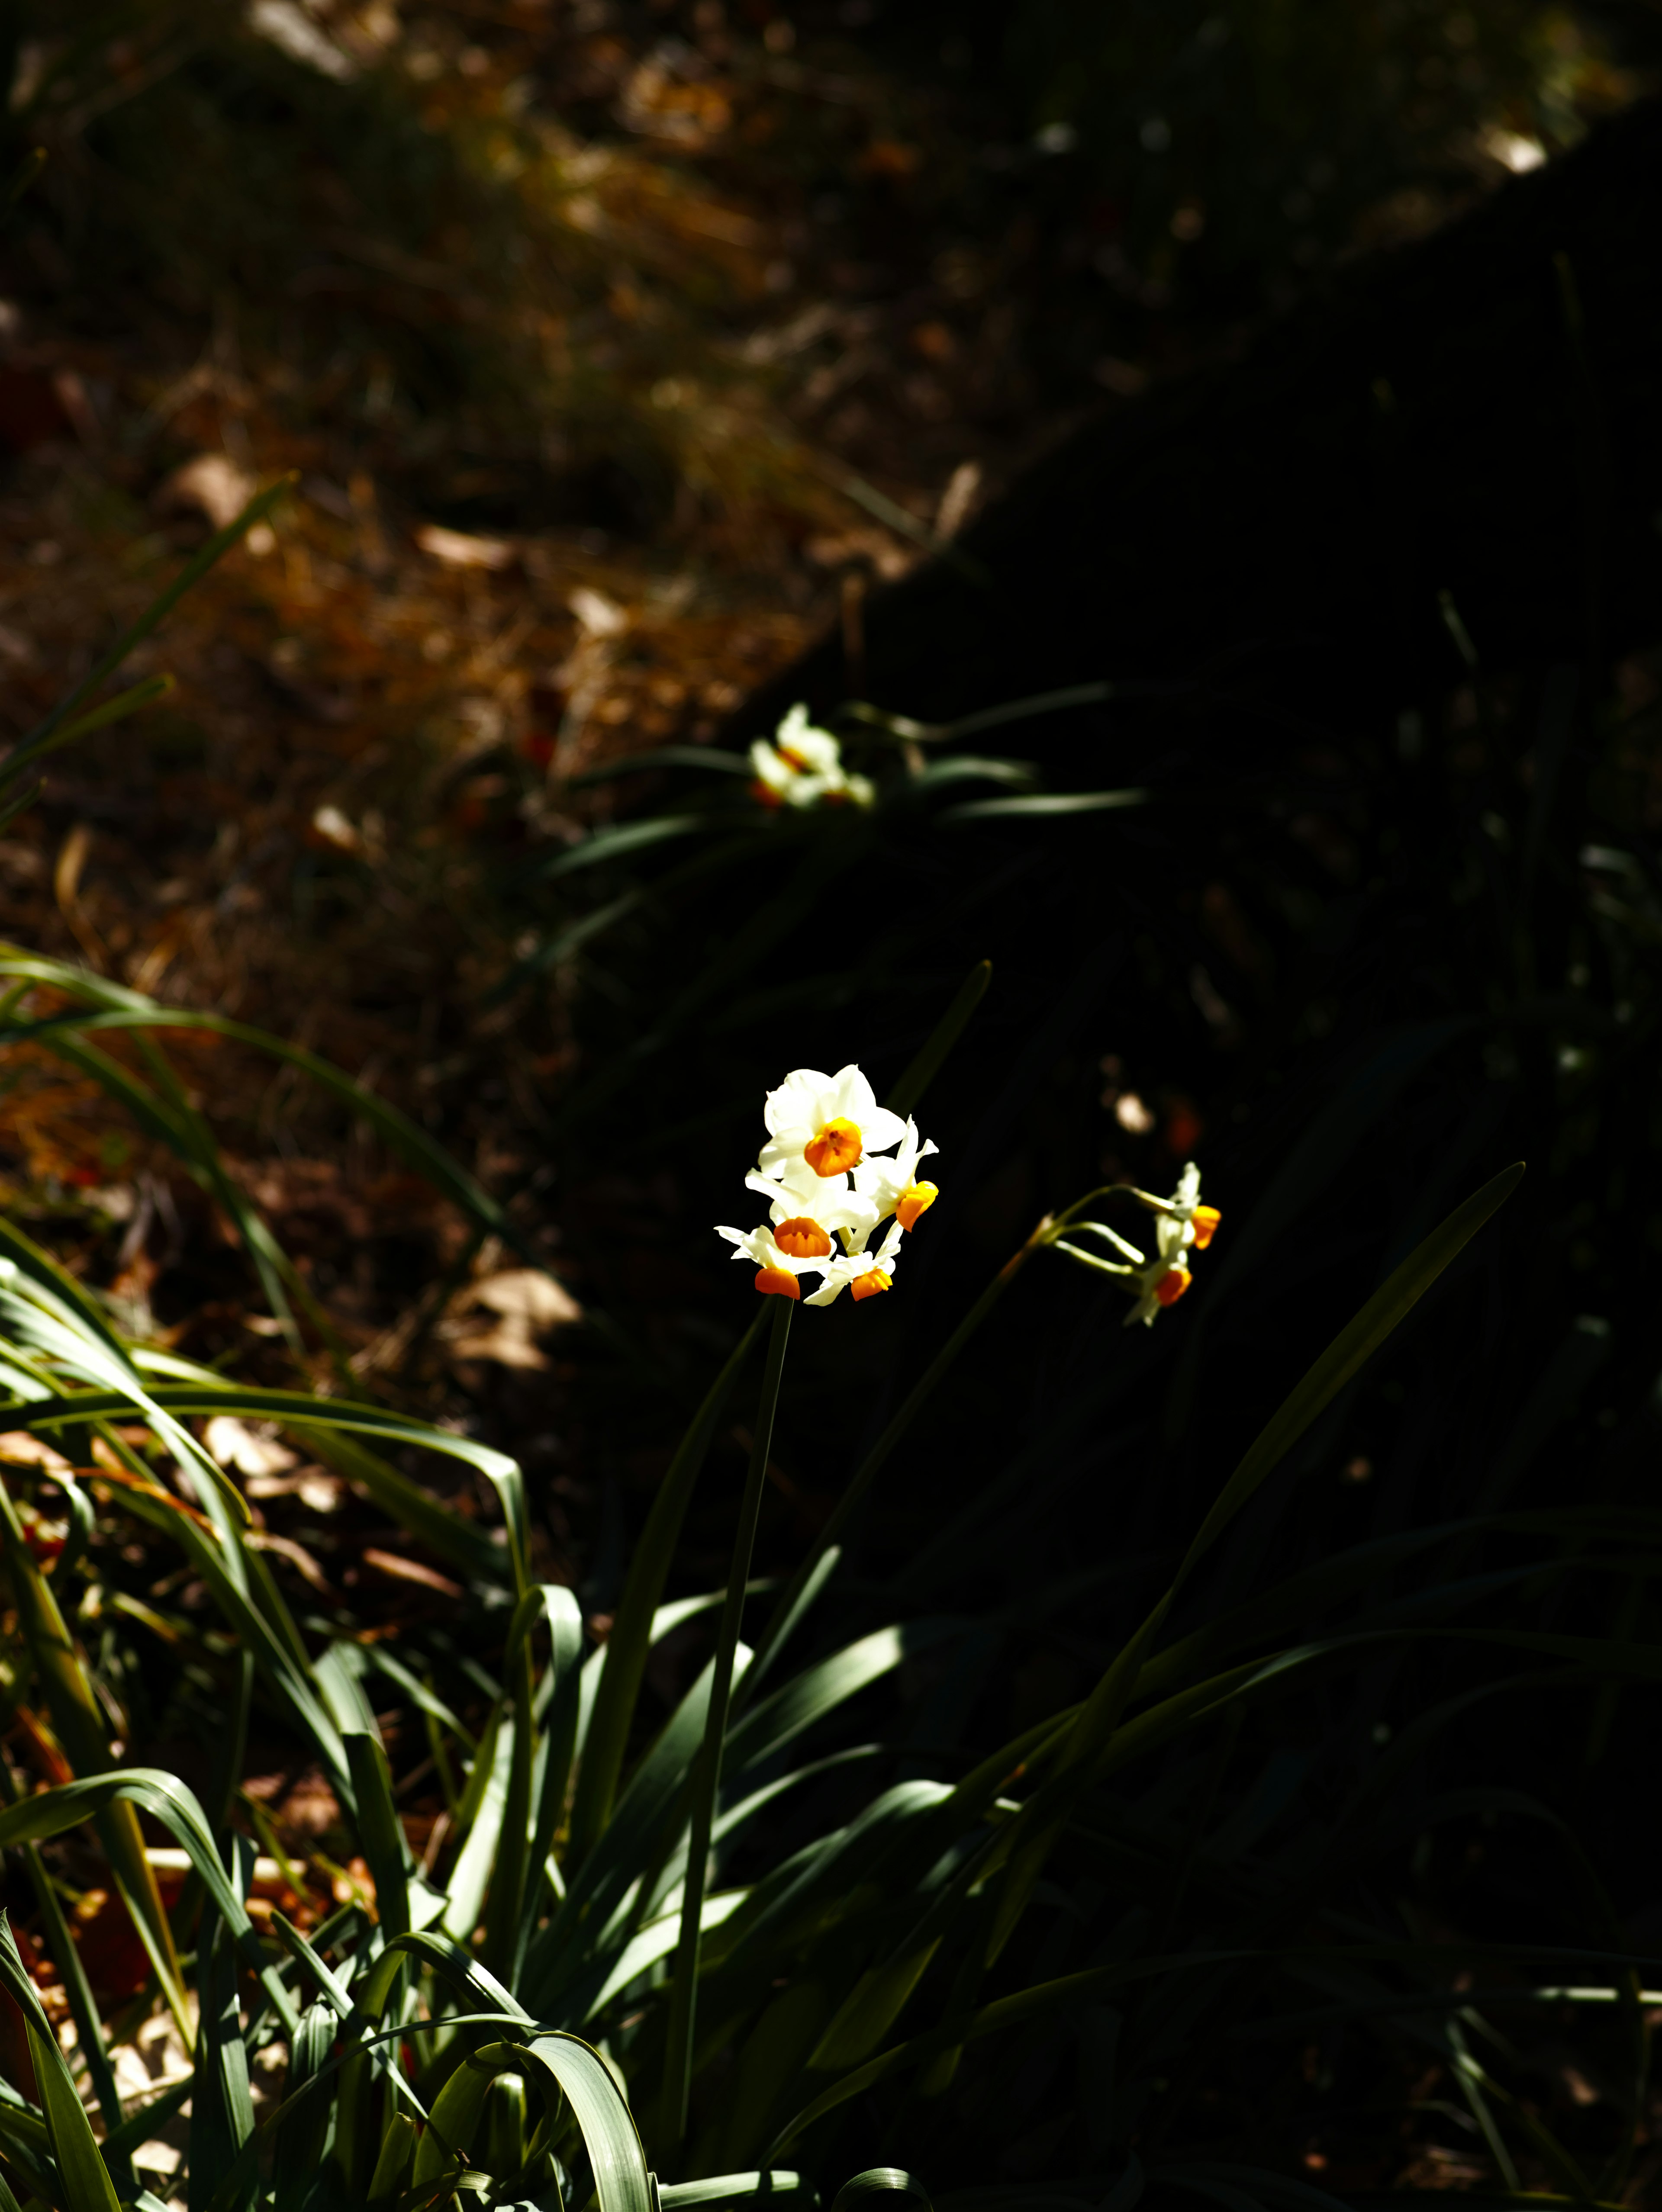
{"points": [[1182, 1225], [828, 1190], [803, 767]]}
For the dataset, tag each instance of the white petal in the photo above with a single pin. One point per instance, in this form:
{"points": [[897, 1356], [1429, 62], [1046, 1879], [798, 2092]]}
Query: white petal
{"points": [[827, 1294], [796, 1180], [852, 1098], [879, 1128], [797, 1099], [783, 1153]]}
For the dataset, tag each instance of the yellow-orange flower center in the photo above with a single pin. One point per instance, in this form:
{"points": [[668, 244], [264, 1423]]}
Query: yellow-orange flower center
{"points": [[867, 1287], [801, 1239], [777, 1283], [916, 1198], [835, 1150], [764, 794], [792, 759], [1172, 1286], [1204, 1220]]}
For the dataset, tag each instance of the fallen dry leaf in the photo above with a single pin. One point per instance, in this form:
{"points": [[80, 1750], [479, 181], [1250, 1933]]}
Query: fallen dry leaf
{"points": [[212, 484], [398, 1569], [459, 551], [232, 1442], [19, 1449], [527, 1293]]}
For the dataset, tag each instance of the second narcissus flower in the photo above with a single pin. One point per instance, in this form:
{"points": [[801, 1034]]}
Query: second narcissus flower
{"points": [[778, 1272], [1157, 1280], [863, 1274]]}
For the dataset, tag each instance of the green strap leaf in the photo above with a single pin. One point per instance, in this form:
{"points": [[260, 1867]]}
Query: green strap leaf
{"points": [[730, 2188], [86, 2186], [1349, 1352], [880, 2181], [626, 1647], [105, 1005], [53, 1812], [916, 1077], [622, 2182], [379, 1830]]}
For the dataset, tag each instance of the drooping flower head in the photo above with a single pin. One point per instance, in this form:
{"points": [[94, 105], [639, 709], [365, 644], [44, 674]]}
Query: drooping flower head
{"points": [[1185, 1203], [1157, 1280], [1162, 1279], [803, 767]]}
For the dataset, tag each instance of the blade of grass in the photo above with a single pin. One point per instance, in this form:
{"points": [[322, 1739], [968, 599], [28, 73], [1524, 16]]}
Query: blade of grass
{"points": [[707, 1780], [627, 1645], [160, 608], [87, 2186]]}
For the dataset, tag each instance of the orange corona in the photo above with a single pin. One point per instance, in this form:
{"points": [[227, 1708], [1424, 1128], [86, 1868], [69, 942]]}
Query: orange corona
{"points": [[777, 1283], [916, 1198], [835, 1150], [1172, 1286], [867, 1287], [801, 1239], [1205, 1220]]}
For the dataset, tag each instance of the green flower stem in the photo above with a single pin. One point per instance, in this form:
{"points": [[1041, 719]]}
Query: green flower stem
{"points": [[707, 1779], [813, 1569]]}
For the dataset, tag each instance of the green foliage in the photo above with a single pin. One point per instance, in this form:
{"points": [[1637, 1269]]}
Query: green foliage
{"points": [[901, 1912], [761, 1929]]}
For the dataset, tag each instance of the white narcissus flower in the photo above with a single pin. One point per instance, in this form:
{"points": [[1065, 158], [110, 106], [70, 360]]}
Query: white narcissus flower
{"points": [[1161, 1281], [864, 1273], [1201, 1221], [803, 767], [830, 1121], [892, 1185], [806, 1208], [824, 1175], [778, 1271]]}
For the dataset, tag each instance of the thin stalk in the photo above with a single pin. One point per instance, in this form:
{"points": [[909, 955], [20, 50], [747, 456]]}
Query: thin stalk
{"points": [[678, 2056], [790, 1608], [631, 1631], [39, 739]]}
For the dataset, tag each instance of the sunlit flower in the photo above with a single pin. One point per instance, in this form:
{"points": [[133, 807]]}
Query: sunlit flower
{"points": [[830, 1121], [863, 1274], [806, 1208], [803, 767], [778, 1271], [825, 1176], [892, 1185]]}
